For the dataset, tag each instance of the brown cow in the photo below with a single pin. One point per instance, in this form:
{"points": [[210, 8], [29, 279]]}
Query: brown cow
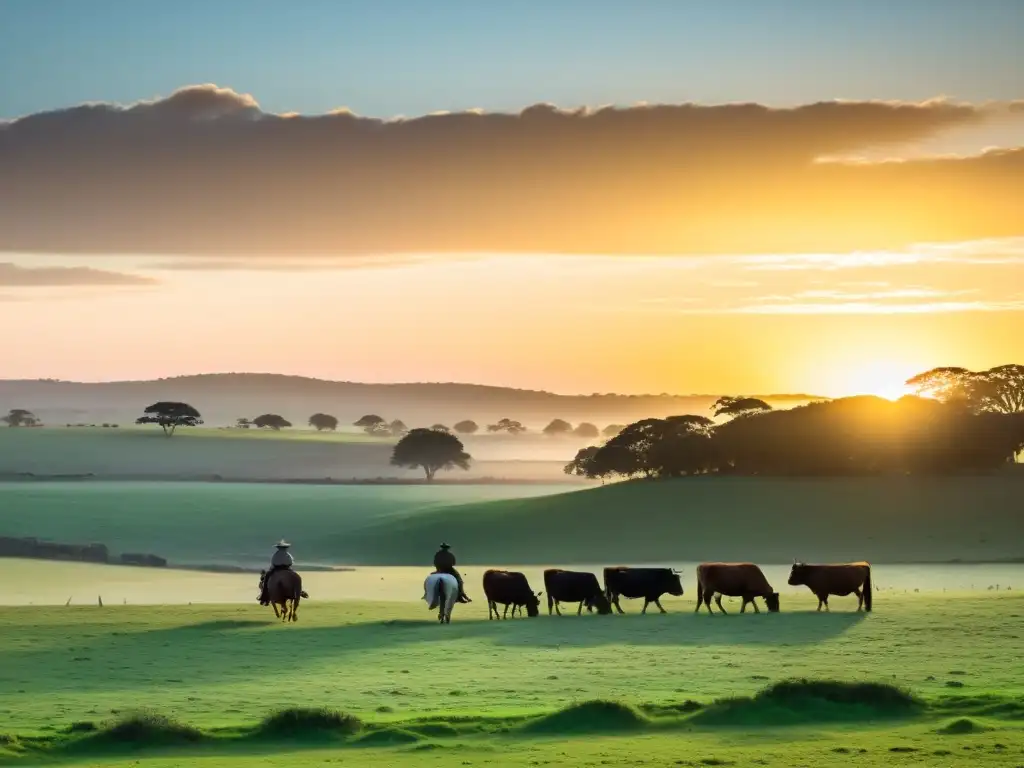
{"points": [[735, 580], [841, 580]]}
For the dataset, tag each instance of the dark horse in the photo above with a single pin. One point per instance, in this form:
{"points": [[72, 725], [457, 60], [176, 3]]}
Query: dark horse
{"points": [[284, 588]]}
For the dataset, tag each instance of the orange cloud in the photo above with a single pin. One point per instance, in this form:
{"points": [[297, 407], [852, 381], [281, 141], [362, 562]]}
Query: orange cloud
{"points": [[206, 172]]}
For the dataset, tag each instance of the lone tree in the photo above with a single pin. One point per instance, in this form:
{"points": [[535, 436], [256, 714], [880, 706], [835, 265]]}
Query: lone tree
{"points": [[170, 415], [372, 424], [558, 427], [19, 417], [243, 423], [271, 421], [430, 449], [735, 407], [397, 428], [440, 428], [467, 427], [997, 390], [322, 421], [507, 425], [586, 430]]}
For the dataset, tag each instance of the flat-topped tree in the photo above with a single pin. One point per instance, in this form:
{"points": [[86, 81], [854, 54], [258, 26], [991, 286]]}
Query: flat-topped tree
{"points": [[431, 450], [372, 424], [466, 427], [322, 421], [170, 415], [19, 417], [271, 421], [735, 407], [586, 430], [612, 430], [397, 428], [440, 428], [507, 425], [558, 427]]}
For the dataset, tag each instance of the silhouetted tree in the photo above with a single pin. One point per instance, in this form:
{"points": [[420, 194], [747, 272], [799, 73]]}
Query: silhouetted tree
{"points": [[998, 390], [583, 463], [397, 428], [322, 421], [558, 427], [739, 406], [507, 425], [372, 424], [467, 427], [430, 449], [440, 428], [19, 417], [271, 421], [170, 415], [612, 430], [586, 430], [243, 423]]}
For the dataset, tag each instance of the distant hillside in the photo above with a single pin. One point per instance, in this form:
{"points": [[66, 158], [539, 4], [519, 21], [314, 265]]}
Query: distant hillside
{"points": [[222, 398], [770, 520]]}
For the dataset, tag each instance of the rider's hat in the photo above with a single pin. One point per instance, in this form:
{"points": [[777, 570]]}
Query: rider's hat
{"points": [[445, 546], [282, 544]]}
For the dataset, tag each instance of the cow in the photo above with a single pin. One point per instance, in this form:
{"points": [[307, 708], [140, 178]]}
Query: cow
{"points": [[510, 588], [575, 587], [648, 583], [735, 580], [841, 580]]}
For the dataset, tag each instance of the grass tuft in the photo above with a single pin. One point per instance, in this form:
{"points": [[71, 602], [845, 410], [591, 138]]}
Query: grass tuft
{"points": [[302, 722], [145, 728], [597, 716], [800, 701], [387, 737], [961, 726]]}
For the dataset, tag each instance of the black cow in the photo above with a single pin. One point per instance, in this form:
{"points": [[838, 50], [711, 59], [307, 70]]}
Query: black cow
{"points": [[575, 587], [648, 583], [510, 588]]}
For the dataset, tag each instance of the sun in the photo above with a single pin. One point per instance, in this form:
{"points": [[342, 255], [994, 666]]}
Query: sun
{"points": [[882, 378]]}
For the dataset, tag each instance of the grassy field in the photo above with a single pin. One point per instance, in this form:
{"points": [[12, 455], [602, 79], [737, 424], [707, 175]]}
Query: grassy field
{"points": [[767, 520], [680, 689], [258, 455]]}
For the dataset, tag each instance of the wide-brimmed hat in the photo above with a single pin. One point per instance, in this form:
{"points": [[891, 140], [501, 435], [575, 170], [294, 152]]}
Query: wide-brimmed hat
{"points": [[282, 544], [445, 546]]}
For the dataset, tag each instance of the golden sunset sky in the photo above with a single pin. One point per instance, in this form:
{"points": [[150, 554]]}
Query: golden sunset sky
{"points": [[833, 236]]}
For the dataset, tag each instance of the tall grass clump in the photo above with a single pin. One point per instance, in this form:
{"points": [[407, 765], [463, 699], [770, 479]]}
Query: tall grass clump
{"points": [[597, 716], [147, 728], [303, 722]]}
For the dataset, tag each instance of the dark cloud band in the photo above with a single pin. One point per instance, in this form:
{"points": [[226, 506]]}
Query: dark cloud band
{"points": [[207, 172]]}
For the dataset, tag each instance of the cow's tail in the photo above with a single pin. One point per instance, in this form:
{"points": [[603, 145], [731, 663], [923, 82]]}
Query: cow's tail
{"points": [[867, 588], [700, 590]]}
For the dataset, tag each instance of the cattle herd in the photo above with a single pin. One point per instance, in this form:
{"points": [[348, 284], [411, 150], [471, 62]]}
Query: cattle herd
{"points": [[714, 580]]}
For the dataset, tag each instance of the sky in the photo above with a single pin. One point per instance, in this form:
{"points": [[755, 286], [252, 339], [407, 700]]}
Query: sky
{"points": [[730, 197]]}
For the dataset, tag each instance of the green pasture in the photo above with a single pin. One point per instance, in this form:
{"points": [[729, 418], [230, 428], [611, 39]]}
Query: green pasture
{"points": [[883, 520], [945, 674]]}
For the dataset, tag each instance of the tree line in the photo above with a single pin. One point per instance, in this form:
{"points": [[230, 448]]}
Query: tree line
{"points": [[956, 421]]}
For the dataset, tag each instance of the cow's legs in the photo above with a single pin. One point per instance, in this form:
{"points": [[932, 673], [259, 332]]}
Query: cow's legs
{"points": [[718, 602], [615, 601], [753, 602], [706, 596], [657, 602], [505, 613], [492, 610], [860, 599], [579, 611], [823, 601], [646, 603], [700, 599]]}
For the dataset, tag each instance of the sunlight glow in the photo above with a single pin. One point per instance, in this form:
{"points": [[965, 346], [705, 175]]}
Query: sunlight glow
{"points": [[883, 378]]}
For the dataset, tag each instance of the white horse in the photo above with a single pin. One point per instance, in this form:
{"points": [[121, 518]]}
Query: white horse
{"points": [[441, 589]]}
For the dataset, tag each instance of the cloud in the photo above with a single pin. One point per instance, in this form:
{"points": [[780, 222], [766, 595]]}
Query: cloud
{"points": [[206, 171], [279, 264], [14, 276]]}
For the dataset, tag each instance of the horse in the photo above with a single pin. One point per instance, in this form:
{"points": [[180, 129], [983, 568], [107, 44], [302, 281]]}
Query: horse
{"points": [[284, 588], [441, 589]]}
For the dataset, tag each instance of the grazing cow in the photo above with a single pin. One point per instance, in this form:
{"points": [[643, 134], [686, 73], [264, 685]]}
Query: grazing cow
{"points": [[648, 583], [575, 587], [510, 588], [735, 580], [841, 580]]}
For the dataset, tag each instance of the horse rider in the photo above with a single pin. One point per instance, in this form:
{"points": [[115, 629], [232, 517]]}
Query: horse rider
{"points": [[444, 562], [281, 560]]}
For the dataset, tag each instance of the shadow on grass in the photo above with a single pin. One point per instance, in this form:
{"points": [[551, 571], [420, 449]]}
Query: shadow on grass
{"points": [[792, 702], [214, 651]]}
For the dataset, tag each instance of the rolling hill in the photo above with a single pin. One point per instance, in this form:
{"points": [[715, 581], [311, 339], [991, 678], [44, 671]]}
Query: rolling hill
{"points": [[222, 398]]}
